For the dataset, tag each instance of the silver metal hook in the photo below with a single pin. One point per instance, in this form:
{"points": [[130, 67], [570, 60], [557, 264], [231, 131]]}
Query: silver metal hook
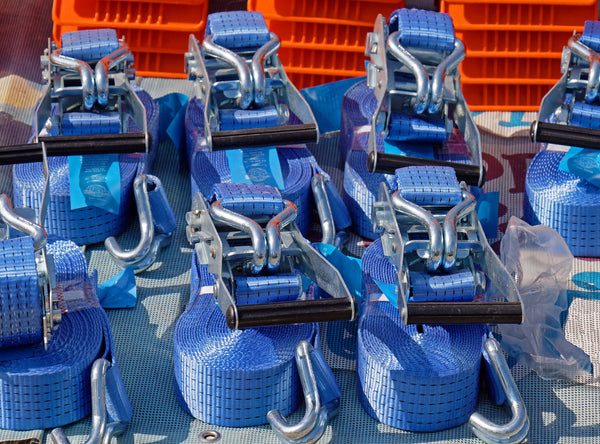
{"points": [[450, 238], [323, 209], [320, 407], [143, 255], [243, 71], [97, 432], [437, 79], [434, 229], [247, 225], [101, 71], [258, 61], [85, 73], [416, 67], [273, 234], [19, 223], [516, 430]]}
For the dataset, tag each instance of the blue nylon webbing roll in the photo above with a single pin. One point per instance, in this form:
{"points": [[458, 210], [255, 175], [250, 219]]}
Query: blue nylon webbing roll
{"points": [[233, 119], [207, 168], [89, 45], [90, 224], [228, 377], [248, 200], [50, 388], [20, 301], [418, 378], [263, 289], [562, 201], [591, 35], [238, 30], [405, 128], [423, 29]]}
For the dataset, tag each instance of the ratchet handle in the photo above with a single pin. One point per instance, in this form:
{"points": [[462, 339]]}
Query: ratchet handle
{"points": [[74, 146], [291, 312], [464, 313], [389, 163], [565, 135], [269, 136]]}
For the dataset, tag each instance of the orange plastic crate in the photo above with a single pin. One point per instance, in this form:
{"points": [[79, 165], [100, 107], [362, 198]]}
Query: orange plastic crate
{"points": [[157, 31], [514, 48], [322, 41]]}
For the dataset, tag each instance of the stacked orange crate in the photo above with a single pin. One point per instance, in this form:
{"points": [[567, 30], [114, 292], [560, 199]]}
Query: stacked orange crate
{"points": [[514, 48], [322, 41], [157, 31]]}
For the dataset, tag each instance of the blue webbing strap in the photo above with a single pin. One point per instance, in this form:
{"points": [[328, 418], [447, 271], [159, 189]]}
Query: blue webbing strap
{"points": [[89, 45], [50, 388], [591, 35], [248, 200], [429, 185], [233, 119], [423, 29], [238, 30], [233, 377], [91, 224], [20, 300], [418, 378]]}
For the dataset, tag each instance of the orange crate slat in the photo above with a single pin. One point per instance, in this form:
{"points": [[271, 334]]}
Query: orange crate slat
{"points": [[336, 11], [516, 69], [311, 35], [504, 97], [533, 43]]}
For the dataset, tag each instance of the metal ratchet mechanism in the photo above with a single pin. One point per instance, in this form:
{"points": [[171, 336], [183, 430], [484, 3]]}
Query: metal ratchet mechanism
{"points": [[418, 83], [238, 248], [252, 83], [567, 109], [51, 314], [434, 241]]}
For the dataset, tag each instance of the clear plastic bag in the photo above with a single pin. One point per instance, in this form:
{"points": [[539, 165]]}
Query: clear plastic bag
{"points": [[541, 263]]}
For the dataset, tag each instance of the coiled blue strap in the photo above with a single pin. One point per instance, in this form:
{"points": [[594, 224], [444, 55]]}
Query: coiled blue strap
{"points": [[232, 377], [77, 124], [423, 29], [90, 224], [249, 200], [238, 30], [360, 185], [429, 185], [457, 286], [20, 301], [413, 377], [89, 45], [585, 115], [562, 201], [50, 388], [207, 168]]}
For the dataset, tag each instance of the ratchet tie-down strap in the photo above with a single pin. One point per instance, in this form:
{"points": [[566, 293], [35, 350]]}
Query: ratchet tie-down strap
{"points": [[254, 370], [89, 224], [46, 388]]}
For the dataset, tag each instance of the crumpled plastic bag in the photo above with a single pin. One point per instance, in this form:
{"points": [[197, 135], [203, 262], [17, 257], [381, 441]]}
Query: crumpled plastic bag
{"points": [[541, 263]]}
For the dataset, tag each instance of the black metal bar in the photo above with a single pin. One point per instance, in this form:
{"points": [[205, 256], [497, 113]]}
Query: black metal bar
{"points": [[464, 313], [565, 135], [75, 146], [291, 312], [270, 136], [388, 163]]}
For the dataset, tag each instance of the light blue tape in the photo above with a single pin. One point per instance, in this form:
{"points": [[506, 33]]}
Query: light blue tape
{"points": [[487, 211], [324, 100], [389, 291], [172, 119], [119, 291], [258, 166], [583, 163], [349, 267], [424, 150], [95, 181]]}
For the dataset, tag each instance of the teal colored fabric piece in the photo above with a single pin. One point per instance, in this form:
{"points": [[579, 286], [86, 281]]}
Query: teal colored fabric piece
{"points": [[119, 291], [349, 267], [259, 166], [487, 211], [325, 100], [423, 150], [95, 181], [172, 119], [389, 291]]}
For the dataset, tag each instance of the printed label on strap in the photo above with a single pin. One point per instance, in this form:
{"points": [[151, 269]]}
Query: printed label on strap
{"points": [[256, 166], [95, 181]]}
